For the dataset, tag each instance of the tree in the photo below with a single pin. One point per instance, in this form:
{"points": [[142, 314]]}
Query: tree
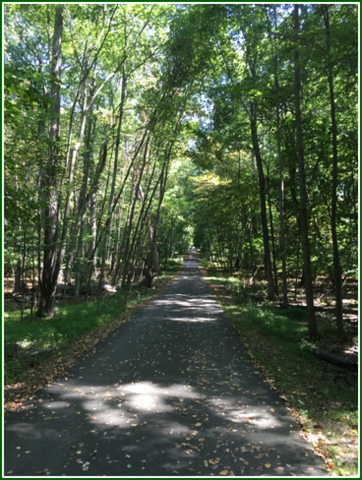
{"points": [[312, 324], [106, 104], [52, 259], [280, 153], [336, 257]]}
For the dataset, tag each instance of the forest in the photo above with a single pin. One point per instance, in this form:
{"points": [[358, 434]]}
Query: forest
{"points": [[132, 131], [135, 134]]}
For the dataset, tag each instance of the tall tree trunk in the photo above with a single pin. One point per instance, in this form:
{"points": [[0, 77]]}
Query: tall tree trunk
{"points": [[51, 264], [281, 168], [128, 247], [336, 256], [83, 201], [154, 257], [114, 177], [92, 255], [282, 209], [102, 229], [143, 218], [272, 236], [312, 324], [73, 160], [262, 187], [154, 254]]}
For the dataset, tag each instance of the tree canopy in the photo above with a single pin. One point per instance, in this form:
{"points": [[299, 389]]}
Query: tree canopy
{"points": [[132, 131]]}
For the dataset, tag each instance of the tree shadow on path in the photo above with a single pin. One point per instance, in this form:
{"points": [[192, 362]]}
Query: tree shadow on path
{"points": [[170, 393]]}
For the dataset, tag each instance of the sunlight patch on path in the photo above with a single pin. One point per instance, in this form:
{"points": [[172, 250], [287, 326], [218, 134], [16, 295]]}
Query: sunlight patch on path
{"points": [[172, 392]]}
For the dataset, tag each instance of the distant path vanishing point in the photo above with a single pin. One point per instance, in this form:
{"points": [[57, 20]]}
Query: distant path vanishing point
{"points": [[172, 392]]}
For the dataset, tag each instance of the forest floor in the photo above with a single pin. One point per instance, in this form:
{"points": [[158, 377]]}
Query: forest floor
{"points": [[322, 397]]}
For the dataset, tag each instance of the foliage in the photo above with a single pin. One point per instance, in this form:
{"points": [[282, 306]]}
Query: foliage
{"points": [[133, 131], [154, 95]]}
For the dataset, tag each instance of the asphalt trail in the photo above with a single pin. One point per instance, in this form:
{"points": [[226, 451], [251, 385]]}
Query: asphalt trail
{"points": [[170, 393]]}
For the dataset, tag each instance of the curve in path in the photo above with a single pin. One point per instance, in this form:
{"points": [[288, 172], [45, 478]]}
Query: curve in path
{"points": [[170, 393]]}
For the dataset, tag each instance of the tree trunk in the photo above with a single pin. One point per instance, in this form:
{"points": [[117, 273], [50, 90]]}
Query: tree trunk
{"points": [[129, 245], [281, 176], [51, 264], [114, 176], [264, 221], [282, 215], [83, 202], [334, 359], [143, 217], [336, 256], [18, 278], [154, 255], [312, 324], [272, 236]]}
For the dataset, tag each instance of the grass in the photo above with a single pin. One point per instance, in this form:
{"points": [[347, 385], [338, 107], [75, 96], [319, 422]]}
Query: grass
{"points": [[36, 350], [322, 397]]}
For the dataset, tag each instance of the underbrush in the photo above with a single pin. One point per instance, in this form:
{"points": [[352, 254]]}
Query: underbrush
{"points": [[322, 397]]}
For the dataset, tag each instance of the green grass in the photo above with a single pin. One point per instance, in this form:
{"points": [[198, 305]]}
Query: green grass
{"points": [[322, 398], [30, 343]]}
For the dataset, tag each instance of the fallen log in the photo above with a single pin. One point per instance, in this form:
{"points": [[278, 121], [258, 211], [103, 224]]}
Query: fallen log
{"points": [[334, 359]]}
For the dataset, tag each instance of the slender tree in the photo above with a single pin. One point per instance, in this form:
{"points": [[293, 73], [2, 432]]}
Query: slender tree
{"points": [[312, 324], [336, 257]]}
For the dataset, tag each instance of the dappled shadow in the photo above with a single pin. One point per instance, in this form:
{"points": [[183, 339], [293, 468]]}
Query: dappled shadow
{"points": [[172, 392], [180, 307], [147, 428]]}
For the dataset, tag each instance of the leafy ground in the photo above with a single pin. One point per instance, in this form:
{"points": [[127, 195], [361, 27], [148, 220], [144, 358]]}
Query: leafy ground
{"points": [[175, 379], [322, 397], [37, 350]]}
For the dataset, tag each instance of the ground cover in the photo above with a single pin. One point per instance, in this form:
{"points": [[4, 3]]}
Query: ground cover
{"points": [[36, 350], [323, 397]]}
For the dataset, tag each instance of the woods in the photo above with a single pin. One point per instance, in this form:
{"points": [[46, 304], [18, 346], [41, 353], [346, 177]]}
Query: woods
{"points": [[133, 131]]}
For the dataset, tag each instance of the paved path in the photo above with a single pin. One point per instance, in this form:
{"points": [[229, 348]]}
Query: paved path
{"points": [[171, 393]]}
